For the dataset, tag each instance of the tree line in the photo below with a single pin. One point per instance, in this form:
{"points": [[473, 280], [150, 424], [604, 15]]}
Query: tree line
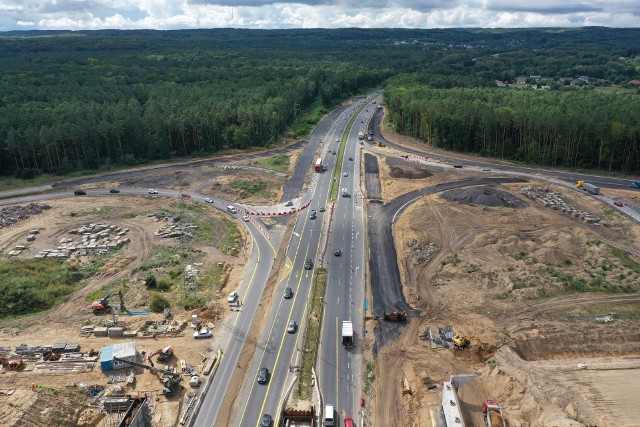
{"points": [[587, 129]]}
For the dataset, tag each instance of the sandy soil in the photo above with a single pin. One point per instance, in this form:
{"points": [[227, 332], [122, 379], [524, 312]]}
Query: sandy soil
{"points": [[63, 323], [497, 273]]}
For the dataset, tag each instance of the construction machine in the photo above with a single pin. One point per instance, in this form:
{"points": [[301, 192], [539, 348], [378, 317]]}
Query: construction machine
{"points": [[163, 354], [396, 316], [461, 342], [492, 412], [103, 305], [170, 379]]}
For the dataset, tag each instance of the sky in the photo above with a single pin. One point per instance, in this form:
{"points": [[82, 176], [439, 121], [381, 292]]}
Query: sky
{"points": [[271, 14]]}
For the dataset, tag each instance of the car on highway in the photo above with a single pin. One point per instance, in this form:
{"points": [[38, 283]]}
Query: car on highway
{"points": [[153, 191], [313, 214], [292, 328], [208, 200], [266, 421], [288, 293], [308, 265], [618, 203], [289, 203], [333, 152], [245, 218], [345, 174], [263, 376], [348, 422], [233, 296], [203, 333], [338, 252], [79, 193], [457, 165], [321, 209], [114, 191], [351, 159], [337, 139]]}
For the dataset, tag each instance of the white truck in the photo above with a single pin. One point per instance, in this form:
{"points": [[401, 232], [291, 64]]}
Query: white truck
{"points": [[360, 135], [347, 334]]}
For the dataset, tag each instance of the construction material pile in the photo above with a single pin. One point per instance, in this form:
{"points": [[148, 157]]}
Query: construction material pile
{"points": [[97, 239], [554, 201], [422, 251], [14, 214]]}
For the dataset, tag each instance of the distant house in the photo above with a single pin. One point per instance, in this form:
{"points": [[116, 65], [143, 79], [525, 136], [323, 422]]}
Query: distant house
{"points": [[521, 80], [634, 82], [500, 83], [125, 350]]}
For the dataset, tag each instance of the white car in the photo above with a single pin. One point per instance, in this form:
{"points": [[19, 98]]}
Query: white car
{"points": [[345, 174], [202, 333], [208, 200], [245, 218], [486, 169], [152, 191], [233, 296]]}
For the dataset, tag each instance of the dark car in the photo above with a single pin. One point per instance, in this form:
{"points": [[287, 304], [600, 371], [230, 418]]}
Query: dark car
{"points": [[351, 159], [618, 203], [263, 376], [308, 265], [114, 190], [321, 209], [338, 252], [288, 293], [266, 420], [313, 214], [79, 193]]}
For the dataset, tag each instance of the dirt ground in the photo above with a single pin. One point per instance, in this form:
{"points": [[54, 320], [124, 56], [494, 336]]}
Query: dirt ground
{"points": [[530, 283], [58, 396]]}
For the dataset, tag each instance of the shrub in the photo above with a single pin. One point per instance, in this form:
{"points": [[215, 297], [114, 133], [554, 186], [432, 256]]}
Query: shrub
{"points": [[159, 303], [150, 281]]}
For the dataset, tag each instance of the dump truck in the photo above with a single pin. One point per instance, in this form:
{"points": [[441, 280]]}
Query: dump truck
{"points": [[396, 316], [493, 414], [347, 334], [589, 188]]}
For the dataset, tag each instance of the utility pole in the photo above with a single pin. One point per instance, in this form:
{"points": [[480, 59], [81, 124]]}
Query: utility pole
{"points": [[296, 109]]}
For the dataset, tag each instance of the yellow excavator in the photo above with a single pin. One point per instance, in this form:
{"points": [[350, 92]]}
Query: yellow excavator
{"points": [[461, 342]]}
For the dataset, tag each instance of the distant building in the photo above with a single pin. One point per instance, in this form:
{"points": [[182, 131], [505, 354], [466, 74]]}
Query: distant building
{"points": [[125, 350], [634, 82], [521, 80], [500, 83]]}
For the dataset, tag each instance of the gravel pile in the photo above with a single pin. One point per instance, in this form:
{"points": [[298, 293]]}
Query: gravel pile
{"points": [[486, 196], [13, 214], [422, 251]]}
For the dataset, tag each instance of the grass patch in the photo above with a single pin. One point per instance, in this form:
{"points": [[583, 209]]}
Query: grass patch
{"points": [[335, 183], [454, 260], [625, 259], [368, 379], [30, 286], [304, 123], [312, 333], [279, 162], [101, 211], [232, 239]]}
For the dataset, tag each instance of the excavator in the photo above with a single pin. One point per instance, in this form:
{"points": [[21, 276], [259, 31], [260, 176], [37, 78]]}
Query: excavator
{"points": [[103, 305], [170, 379], [461, 342], [163, 354]]}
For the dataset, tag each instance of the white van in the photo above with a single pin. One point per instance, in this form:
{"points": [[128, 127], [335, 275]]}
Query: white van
{"points": [[329, 417], [232, 209], [345, 193]]}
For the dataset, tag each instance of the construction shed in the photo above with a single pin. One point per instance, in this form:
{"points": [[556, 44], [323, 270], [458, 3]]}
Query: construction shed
{"points": [[126, 350]]}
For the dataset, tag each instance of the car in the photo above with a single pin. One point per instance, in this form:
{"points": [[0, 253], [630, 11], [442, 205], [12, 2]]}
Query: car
{"points": [[338, 252], [361, 121], [153, 191], [351, 159], [345, 174], [457, 165], [292, 328], [233, 296], [288, 293], [114, 191], [289, 203], [266, 420], [208, 200], [337, 139], [308, 265], [185, 195], [263, 376], [618, 203], [203, 333], [313, 214], [79, 193], [333, 152], [245, 218], [486, 169], [321, 209]]}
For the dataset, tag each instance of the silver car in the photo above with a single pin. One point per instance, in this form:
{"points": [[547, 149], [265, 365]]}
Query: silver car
{"points": [[293, 327]]}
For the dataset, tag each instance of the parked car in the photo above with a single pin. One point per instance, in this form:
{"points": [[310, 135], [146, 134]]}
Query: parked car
{"points": [[308, 265], [313, 214], [114, 190], [203, 333], [153, 191], [79, 193], [288, 293], [292, 328], [289, 203], [338, 252], [233, 296], [266, 420], [618, 203], [263, 376], [208, 200], [245, 218]]}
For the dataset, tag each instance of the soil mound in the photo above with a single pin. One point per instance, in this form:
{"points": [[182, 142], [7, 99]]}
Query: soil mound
{"points": [[486, 196], [400, 168]]}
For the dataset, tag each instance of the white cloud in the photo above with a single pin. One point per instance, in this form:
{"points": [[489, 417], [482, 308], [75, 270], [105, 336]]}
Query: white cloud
{"points": [[173, 14]]}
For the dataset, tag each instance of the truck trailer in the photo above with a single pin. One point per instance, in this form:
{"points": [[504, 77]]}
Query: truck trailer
{"points": [[347, 333], [589, 188], [319, 164]]}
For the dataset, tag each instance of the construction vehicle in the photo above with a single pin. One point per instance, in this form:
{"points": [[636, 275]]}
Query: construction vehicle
{"points": [[12, 364], [103, 306], [170, 379], [493, 414], [396, 316], [461, 342], [163, 354], [635, 184], [589, 188], [347, 334]]}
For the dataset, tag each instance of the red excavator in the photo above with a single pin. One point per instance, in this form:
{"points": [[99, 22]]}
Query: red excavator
{"points": [[163, 354], [396, 316], [103, 306]]}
